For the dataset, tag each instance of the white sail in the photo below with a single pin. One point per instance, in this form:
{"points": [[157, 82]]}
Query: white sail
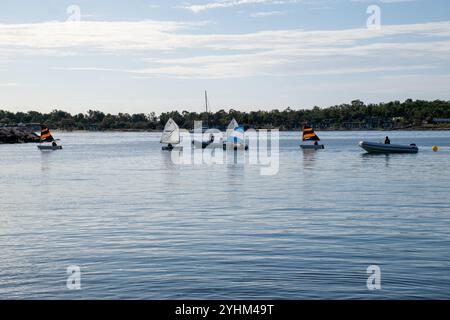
{"points": [[233, 124], [171, 133]]}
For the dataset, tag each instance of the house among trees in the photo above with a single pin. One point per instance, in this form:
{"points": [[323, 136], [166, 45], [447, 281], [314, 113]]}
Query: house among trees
{"points": [[441, 120]]}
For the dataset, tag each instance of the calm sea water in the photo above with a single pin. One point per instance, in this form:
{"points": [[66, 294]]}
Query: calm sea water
{"points": [[142, 227]]}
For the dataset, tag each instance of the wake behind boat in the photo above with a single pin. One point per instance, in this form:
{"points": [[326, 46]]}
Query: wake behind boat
{"points": [[46, 136], [376, 147], [308, 134]]}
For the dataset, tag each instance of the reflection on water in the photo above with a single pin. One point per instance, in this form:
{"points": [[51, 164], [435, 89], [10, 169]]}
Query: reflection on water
{"points": [[368, 157], [309, 157], [140, 226], [45, 160], [374, 157]]}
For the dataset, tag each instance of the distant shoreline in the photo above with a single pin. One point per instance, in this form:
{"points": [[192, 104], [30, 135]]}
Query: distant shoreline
{"points": [[294, 130], [17, 135], [354, 116]]}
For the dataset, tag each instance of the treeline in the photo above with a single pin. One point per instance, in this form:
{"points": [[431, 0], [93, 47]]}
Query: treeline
{"points": [[355, 114]]}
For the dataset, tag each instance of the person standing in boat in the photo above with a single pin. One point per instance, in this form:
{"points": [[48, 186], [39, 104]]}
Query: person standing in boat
{"points": [[387, 141]]}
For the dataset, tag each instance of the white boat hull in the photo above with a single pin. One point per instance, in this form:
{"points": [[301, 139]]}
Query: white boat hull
{"points": [[49, 148], [375, 147]]}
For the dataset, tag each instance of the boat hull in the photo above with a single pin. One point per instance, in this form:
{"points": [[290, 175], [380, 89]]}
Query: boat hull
{"points": [[374, 147], [49, 148], [312, 146], [176, 148], [206, 144], [232, 146]]}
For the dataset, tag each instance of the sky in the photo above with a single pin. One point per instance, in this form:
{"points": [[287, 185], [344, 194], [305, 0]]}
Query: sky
{"points": [[142, 56]]}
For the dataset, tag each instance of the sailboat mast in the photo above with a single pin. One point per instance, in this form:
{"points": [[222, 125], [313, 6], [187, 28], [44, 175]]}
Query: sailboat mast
{"points": [[206, 101], [206, 104]]}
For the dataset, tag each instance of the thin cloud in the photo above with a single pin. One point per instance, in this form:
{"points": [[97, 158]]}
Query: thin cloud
{"points": [[170, 48], [9, 84], [262, 14], [384, 1], [93, 69], [160, 36], [196, 8]]}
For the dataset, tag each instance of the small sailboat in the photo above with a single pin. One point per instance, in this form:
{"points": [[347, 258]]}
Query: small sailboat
{"points": [[309, 135], [46, 136], [208, 143], [171, 136], [211, 141], [235, 137], [204, 127]]}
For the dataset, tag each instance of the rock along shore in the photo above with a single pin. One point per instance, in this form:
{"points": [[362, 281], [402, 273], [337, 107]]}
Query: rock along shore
{"points": [[17, 135]]}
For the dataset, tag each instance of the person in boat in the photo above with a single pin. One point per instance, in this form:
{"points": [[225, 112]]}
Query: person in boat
{"points": [[54, 144], [207, 143], [316, 143], [170, 146], [387, 141]]}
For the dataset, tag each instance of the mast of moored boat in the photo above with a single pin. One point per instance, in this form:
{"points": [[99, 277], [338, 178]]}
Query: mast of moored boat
{"points": [[206, 104]]}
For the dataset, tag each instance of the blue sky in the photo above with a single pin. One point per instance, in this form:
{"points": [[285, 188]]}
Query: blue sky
{"points": [[143, 56]]}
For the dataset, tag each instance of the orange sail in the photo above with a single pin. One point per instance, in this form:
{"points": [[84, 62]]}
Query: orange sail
{"points": [[46, 136], [309, 134]]}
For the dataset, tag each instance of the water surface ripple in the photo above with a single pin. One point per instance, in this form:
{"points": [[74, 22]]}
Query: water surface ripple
{"points": [[141, 227]]}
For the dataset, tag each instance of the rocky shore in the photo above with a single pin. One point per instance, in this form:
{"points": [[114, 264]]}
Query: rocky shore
{"points": [[17, 135]]}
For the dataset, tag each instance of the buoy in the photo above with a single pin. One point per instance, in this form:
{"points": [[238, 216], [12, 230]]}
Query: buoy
{"points": [[435, 148]]}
